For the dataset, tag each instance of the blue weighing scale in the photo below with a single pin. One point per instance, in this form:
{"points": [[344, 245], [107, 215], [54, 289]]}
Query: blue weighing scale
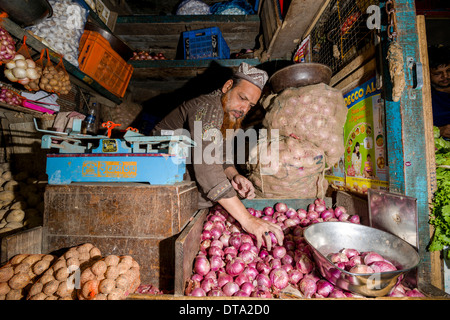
{"points": [[158, 160]]}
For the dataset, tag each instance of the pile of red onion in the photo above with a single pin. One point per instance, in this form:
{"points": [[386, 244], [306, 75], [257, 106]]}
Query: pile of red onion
{"points": [[361, 262], [10, 97], [229, 263], [7, 46]]}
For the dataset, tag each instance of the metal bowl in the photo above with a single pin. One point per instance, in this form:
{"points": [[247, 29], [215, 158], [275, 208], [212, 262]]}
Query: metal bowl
{"points": [[330, 237], [300, 75]]}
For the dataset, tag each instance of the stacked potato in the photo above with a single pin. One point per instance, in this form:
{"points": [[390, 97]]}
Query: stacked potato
{"points": [[53, 80], [60, 280], [20, 272], [111, 278], [21, 199]]}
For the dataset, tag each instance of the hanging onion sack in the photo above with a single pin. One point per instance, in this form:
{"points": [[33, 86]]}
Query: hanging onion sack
{"points": [[310, 123]]}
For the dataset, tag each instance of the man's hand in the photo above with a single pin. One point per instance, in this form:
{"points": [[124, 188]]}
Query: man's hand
{"points": [[256, 226], [445, 131], [243, 186]]}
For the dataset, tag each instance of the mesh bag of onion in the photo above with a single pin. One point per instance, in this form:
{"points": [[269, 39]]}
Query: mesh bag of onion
{"points": [[310, 123]]}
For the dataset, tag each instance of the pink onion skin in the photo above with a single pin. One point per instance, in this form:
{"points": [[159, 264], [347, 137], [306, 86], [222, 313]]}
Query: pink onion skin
{"points": [[337, 293], [338, 257], [349, 252], [339, 210], [290, 212], [354, 219], [230, 288], [247, 287], [223, 279], [268, 211], [201, 265], [308, 287], [279, 252], [324, 287], [370, 257], [295, 276], [263, 280], [216, 262], [414, 293], [304, 264], [382, 266], [301, 213], [235, 266], [361, 268], [326, 214], [235, 240], [281, 207], [279, 278], [344, 216], [198, 292], [215, 293]]}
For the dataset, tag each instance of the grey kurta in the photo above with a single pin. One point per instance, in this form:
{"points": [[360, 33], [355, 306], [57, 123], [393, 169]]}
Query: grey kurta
{"points": [[211, 180]]}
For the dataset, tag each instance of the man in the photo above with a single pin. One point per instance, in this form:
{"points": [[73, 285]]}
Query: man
{"points": [[220, 182], [439, 58]]}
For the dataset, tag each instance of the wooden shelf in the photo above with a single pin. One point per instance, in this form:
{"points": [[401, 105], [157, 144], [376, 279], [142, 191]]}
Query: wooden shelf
{"points": [[74, 71]]}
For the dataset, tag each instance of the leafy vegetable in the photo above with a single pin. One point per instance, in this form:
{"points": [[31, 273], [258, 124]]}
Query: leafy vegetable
{"points": [[440, 216]]}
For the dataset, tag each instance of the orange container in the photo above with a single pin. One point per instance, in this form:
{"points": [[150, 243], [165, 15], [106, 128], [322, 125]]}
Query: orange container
{"points": [[98, 60]]}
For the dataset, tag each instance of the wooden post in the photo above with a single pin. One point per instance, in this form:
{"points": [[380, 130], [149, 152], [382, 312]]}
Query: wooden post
{"points": [[407, 133]]}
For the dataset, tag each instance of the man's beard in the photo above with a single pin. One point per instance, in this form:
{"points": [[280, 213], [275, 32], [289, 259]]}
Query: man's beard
{"points": [[229, 122]]}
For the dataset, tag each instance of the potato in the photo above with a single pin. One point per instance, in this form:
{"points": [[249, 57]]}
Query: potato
{"points": [[48, 257], [95, 252], [19, 281], [63, 290], [123, 267], [7, 175], [11, 185], [3, 214], [112, 260], [35, 289], [116, 294], [46, 278], [15, 215], [32, 259], [73, 263], [60, 263], [101, 296], [86, 247], [51, 298], [99, 268], [122, 282], [112, 272], [106, 286], [87, 275], [5, 229], [14, 295], [62, 273], [90, 289], [50, 287], [84, 256], [6, 273], [39, 296], [14, 225], [4, 288], [19, 205], [22, 267]]}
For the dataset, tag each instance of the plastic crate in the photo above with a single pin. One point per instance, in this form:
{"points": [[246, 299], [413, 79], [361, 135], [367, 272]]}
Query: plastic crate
{"points": [[205, 44], [98, 60]]}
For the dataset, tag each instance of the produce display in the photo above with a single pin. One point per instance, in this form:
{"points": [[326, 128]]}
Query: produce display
{"points": [[21, 70], [81, 273], [111, 278], [17, 275], [21, 199], [62, 31], [147, 55], [229, 263], [7, 46], [310, 123], [55, 79], [440, 215], [9, 96], [58, 282]]}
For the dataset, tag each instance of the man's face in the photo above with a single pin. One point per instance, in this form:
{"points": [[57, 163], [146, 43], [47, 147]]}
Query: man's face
{"points": [[440, 76], [238, 101]]}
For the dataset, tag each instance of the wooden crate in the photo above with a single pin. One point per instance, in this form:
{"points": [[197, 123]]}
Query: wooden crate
{"points": [[22, 241], [134, 219], [188, 242]]}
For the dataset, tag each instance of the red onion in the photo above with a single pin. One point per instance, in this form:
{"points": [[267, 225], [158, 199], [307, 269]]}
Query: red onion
{"points": [[339, 210], [353, 262], [217, 243], [206, 234], [198, 292], [230, 288], [290, 212], [275, 263], [370, 257], [287, 259], [324, 287], [361, 268], [263, 280], [350, 253], [208, 284], [326, 214], [311, 207], [354, 219], [337, 293], [320, 208], [258, 213], [215, 293], [319, 201], [232, 251], [287, 267], [251, 211], [338, 257], [246, 238], [201, 265], [382, 266], [235, 266], [197, 277], [251, 273], [344, 216], [261, 294], [301, 213], [304, 264], [223, 279], [262, 267], [215, 251], [247, 256], [245, 246], [224, 238], [247, 287], [216, 262], [216, 232], [268, 211], [305, 222], [281, 207], [205, 244], [241, 293], [279, 278], [414, 293], [308, 287], [295, 276], [279, 252], [235, 240], [311, 215]]}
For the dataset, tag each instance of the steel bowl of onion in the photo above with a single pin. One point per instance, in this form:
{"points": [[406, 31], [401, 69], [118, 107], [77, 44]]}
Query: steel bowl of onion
{"points": [[360, 259]]}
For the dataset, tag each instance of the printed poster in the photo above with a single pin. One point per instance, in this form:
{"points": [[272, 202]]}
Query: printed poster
{"points": [[363, 164]]}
